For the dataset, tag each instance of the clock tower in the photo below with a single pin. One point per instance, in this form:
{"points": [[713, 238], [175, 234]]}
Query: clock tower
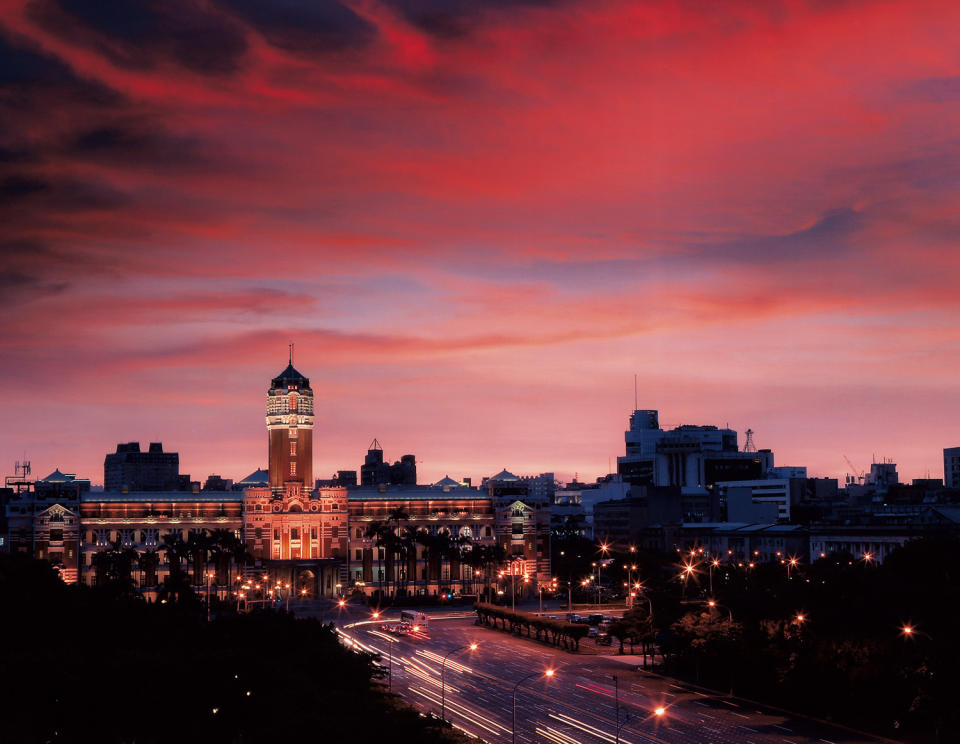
{"points": [[290, 431]]}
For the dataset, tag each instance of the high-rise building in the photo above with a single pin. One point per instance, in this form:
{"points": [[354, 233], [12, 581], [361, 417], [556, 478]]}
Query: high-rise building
{"points": [[290, 429], [951, 467], [375, 471], [692, 457], [129, 469]]}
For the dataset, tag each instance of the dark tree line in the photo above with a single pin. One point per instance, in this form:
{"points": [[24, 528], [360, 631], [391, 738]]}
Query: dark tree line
{"points": [[874, 646]]}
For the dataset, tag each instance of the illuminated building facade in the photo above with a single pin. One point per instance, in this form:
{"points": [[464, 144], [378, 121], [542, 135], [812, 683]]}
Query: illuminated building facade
{"points": [[312, 540], [436, 516], [522, 524]]}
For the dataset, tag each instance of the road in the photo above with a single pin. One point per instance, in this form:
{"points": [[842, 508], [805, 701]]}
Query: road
{"points": [[578, 704]]}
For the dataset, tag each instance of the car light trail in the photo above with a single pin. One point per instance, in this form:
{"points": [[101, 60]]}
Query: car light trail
{"points": [[587, 728], [471, 715], [556, 736]]}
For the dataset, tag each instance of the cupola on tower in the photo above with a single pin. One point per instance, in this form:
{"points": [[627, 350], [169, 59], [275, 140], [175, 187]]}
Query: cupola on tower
{"points": [[290, 430]]}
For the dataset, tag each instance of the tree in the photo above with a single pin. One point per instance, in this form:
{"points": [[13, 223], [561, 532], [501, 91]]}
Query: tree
{"points": [[374, 532], [706, 634], [198, 548], [636, 626]]}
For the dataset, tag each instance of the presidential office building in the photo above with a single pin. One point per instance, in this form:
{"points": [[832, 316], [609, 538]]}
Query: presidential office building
{"points": [[322, 541]]}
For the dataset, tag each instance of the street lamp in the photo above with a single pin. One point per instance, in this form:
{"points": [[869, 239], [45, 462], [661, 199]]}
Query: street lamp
{"points": [[909, 631], [688, 571], [713, 564], [604, 549], [792, 563], [548, 674], [443, 689], [713, 603]]}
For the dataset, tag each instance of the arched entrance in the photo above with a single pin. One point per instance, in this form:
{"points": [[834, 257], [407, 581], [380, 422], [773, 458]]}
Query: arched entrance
{"points": [[306, 584]]}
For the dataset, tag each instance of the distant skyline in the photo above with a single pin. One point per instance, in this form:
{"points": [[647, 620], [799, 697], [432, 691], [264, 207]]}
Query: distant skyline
{"points": [[477, 222]]}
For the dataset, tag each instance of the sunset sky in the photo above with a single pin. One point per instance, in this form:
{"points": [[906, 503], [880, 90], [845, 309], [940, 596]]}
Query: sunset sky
{"points": [[477, 221]]}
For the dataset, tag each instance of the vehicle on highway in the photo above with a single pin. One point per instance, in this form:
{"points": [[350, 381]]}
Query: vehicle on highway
{"points": [[413, 620], [593, 631]]}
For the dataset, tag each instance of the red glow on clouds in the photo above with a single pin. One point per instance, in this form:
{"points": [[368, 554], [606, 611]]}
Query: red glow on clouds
{"points": [[477, 228]]}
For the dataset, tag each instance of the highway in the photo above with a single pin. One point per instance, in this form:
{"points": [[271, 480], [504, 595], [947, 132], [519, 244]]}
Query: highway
{"points": [[578, 704]]}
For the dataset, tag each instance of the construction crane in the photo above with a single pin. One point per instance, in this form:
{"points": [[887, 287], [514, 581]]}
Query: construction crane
{"points": [[858, 474]]}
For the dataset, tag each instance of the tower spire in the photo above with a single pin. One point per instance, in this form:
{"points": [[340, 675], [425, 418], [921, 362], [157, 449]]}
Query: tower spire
{"points": [[291, 355]]}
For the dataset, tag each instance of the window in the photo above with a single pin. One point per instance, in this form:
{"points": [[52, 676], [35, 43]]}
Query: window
{"points": [[359, 533], [276, 534], [293, 468], [258, 533], [56, 535], [293, 448], [517, 528], [313, 532], [334, 532], [359, 554], [335, 506], [294, 533]]}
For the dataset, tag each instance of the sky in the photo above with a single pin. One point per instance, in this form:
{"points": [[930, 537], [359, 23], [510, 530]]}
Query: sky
{"points": [[478, 221]]}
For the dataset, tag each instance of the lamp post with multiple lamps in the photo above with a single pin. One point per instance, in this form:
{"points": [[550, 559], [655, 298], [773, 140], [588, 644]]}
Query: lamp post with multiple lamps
{"points": [[548, 674], [443, 688]]}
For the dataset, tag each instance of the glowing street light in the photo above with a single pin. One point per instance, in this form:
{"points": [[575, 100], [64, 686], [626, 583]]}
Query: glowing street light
{"points": [[548, 674], [713, 564], [659, 711], [443, 689], [909, 631], [712, 604]]}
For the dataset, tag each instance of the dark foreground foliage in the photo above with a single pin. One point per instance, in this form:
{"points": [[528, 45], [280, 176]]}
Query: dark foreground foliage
{"points": [[84, 665], [826, 639]]}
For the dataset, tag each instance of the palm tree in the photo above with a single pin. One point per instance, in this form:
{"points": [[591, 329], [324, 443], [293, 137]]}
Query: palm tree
{"points": [[409, 547], [397, 515], [373, 532], [176, 549], [221, 544], [114, 565], [431, 545], [457, 550], [198, 547], [147, 562], [239, 554]]}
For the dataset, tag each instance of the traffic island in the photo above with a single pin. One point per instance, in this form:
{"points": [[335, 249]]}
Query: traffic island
{"points": [[558, 633]]}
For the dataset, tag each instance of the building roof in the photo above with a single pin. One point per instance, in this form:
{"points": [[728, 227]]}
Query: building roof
{"points": [[57, 477], [504, 475], [290, 376], [414, 493], [446, 482], [163, 496], [260, 476]]}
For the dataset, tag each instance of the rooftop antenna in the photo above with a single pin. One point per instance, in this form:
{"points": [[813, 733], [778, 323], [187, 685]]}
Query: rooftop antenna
{"points": [[291, 355], [634, 391], [749, 446]]}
